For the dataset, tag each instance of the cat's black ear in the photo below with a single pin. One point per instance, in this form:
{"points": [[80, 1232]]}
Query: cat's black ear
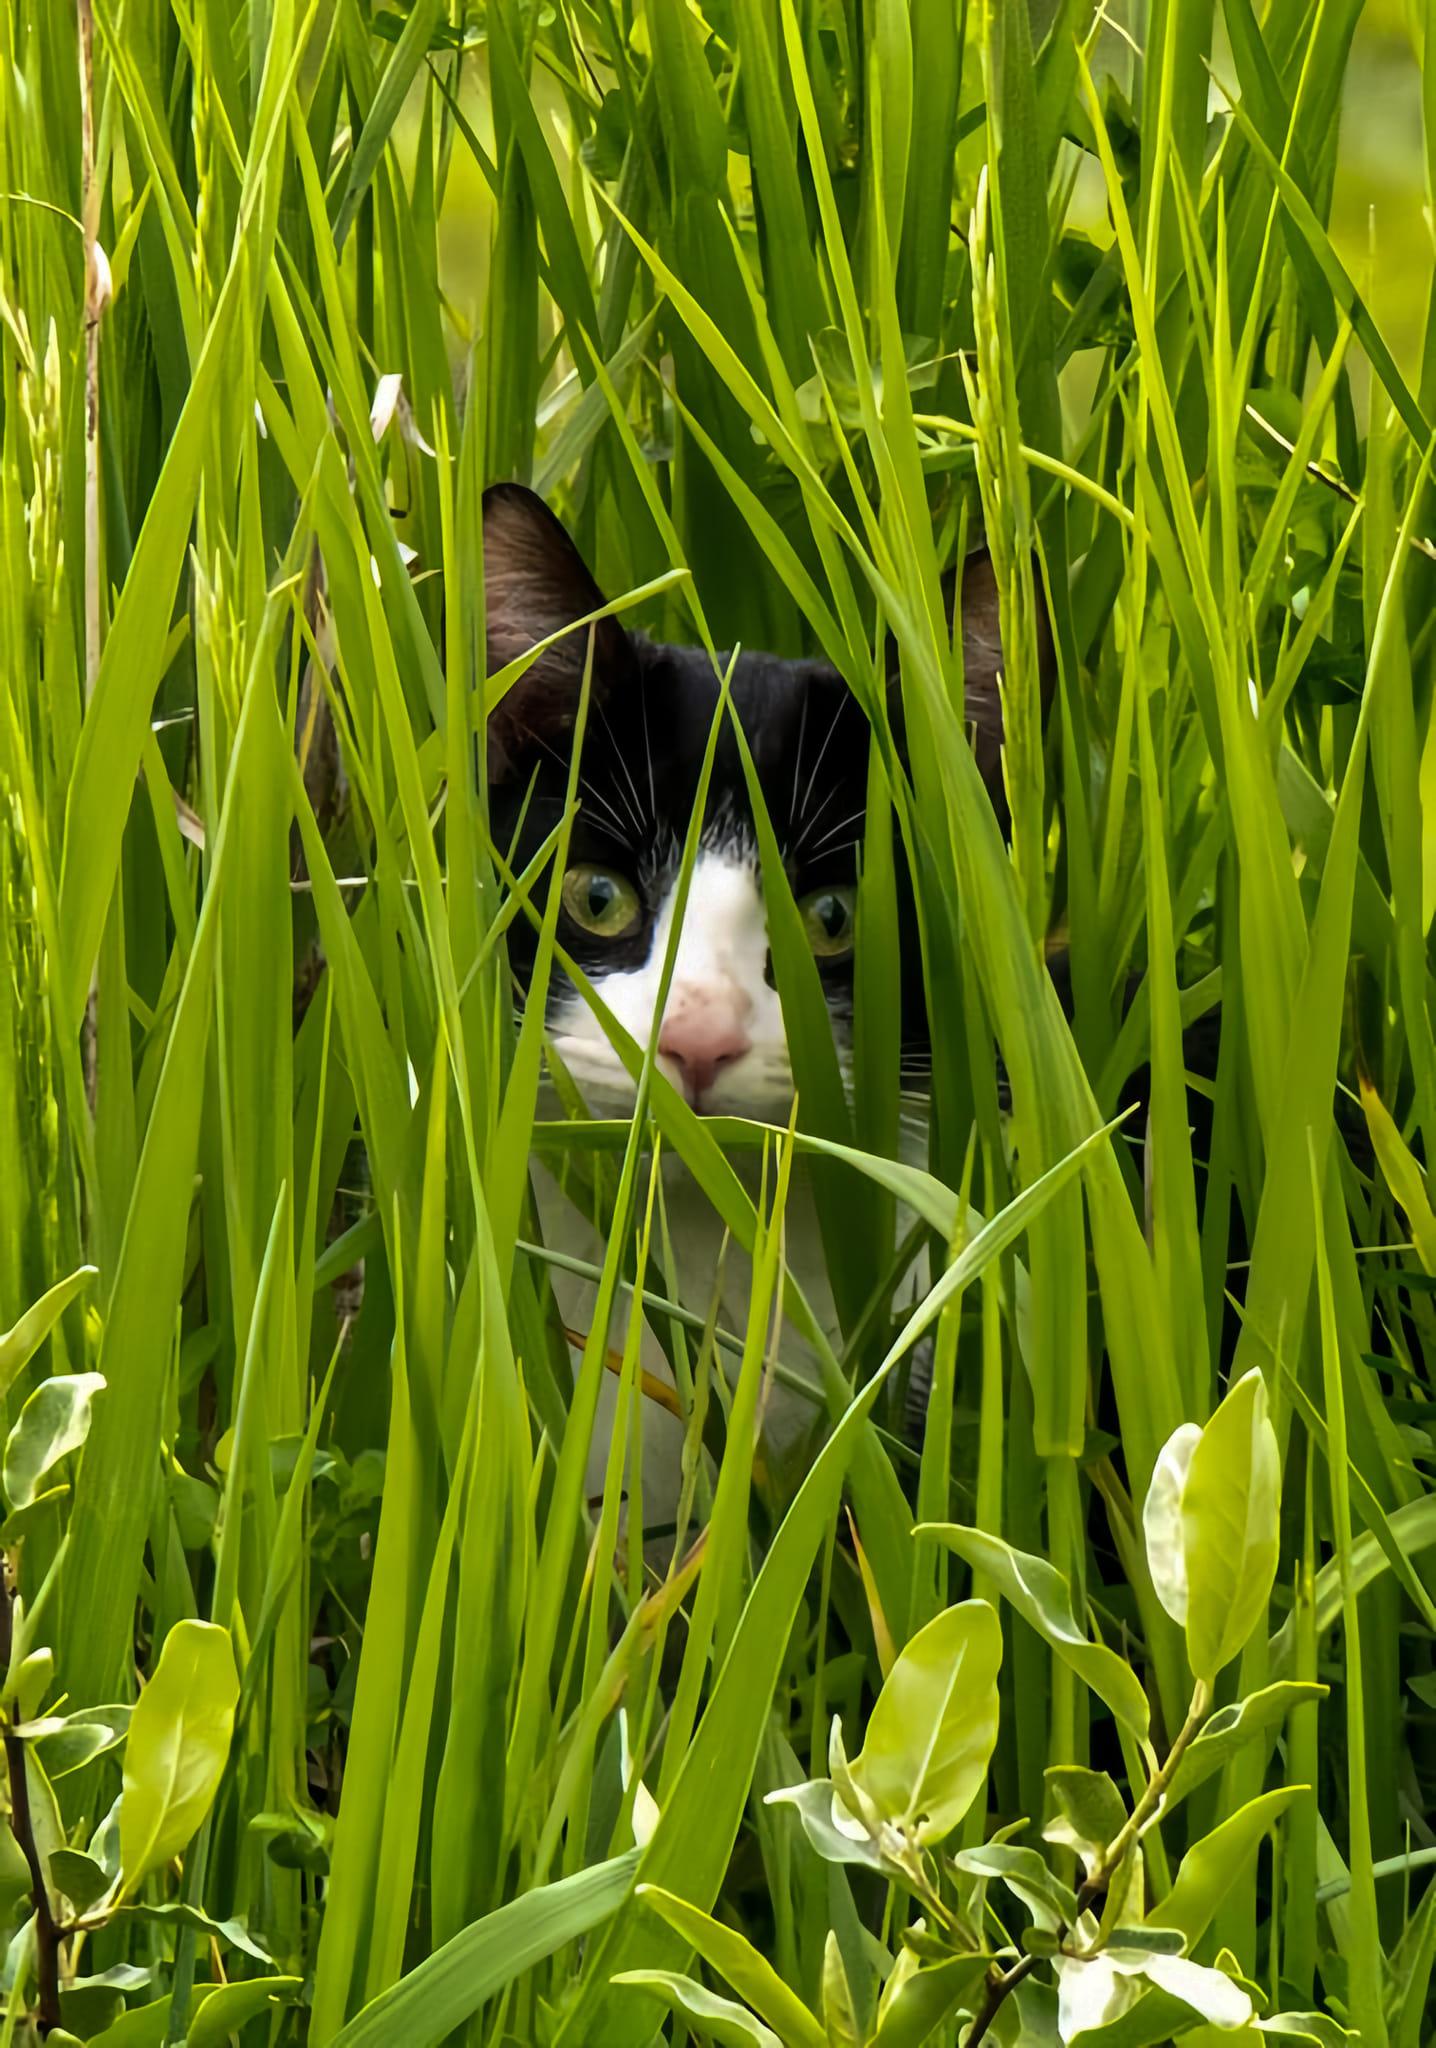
{"points": [[536, 583], [982, 663]]}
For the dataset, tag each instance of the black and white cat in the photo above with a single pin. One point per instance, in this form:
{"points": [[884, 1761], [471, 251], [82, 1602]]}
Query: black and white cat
{"points": [[721, 1037]]}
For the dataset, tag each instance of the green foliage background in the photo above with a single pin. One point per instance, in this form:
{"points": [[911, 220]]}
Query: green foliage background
{"points": [[777, 299]]}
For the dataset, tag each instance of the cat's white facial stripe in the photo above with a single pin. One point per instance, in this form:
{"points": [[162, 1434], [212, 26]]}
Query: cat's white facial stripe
{"points": [[723, 1025]]}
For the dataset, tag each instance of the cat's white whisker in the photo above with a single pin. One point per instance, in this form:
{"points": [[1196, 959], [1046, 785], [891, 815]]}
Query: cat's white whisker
{"points": [[636, 807], [619, 834], [798, 756], [648, 750], [619, 829], [856, 818], [583, 784], [587, 790], [832, 728], [811, 822]]}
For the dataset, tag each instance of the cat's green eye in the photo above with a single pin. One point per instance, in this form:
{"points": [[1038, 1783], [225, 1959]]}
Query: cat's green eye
{"points": [[601, 902], [828, 919]]}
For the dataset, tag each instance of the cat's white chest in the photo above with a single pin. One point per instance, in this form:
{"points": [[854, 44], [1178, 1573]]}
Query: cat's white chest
{"points": [[711, 1275]]}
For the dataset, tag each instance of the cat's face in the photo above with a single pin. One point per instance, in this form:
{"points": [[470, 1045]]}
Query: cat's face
{"points": [[721, 1039]]}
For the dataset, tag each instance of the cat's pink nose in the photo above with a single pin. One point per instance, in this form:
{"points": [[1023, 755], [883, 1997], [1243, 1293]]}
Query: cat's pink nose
{"points": [[701, 1043]]}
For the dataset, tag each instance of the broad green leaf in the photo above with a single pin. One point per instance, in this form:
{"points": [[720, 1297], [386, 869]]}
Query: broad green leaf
{"points": [[1126, 1898], [86, 2007], [1140, 1942], [79, 1877], [105, 1841], [919, 1998], [443, 1991], [1230, 1728], [1042, 1597], [1162, 1520], [14, 1873], [829, 1826], [1104, 1999], [54, 1421], [751, 1975], [854, 1808], [1090, 1811], [1051, 1903], [1209, 1992], [933, 1728], [19, 1344], [16, 1527], [1316, 2027], [30, 1682], [840, 2022], [83, 1737], [178, 1747], [222, 2014], [718, 2019], [1091, 1993], [175, 1913], [1231, 1506], [1212, 1866], [146, 2026]]}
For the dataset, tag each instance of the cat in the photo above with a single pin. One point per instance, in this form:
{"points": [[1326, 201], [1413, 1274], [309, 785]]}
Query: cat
{"points": [[721, 1038]]}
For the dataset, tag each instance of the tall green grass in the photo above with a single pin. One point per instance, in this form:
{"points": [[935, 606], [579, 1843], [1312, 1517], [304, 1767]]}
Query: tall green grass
{"points": [[778, 302]]}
